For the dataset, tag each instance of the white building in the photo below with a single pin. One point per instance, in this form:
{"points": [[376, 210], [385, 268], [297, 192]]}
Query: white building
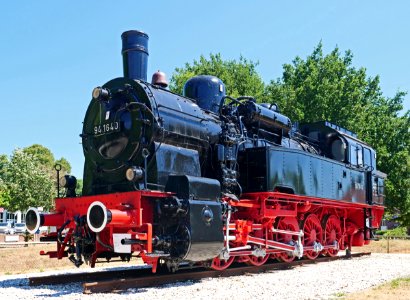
{"points": [[12, 217]]}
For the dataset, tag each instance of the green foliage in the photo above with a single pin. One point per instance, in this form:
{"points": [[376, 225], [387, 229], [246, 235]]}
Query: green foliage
{"points": [[65, 165], [324, 88], [240, 77], [42, 154], [381, 232], [396, 232], [29, 178], [4, 194], [46, 159], [3, 164], [79, 187], [4, 191], [27, 183]]}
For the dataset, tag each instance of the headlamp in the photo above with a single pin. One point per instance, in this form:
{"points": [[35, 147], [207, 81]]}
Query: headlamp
{"points": [[134, 174], [100, 93]]}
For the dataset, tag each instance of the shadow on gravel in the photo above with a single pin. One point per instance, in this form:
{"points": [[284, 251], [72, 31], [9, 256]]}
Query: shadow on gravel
{"points": [[19, 282], [50, 291], [159, 287], [58, 290]]}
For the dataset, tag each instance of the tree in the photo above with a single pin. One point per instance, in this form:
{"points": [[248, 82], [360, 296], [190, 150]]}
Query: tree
{"points": [[65, 165], [328, 87], [29, 178], [3, 164], [79, 187], [240, 77], [42, 154], [28, 184], [324, 87], [4, 192], [46, 160]]}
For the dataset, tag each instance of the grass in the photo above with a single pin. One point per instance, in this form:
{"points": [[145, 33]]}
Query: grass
{"points": [[384, 246], [397, 289], [396, 283], [27, 260]]}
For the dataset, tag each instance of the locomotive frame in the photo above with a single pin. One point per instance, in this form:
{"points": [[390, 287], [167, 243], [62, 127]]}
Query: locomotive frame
{"points": [[207, 179]]}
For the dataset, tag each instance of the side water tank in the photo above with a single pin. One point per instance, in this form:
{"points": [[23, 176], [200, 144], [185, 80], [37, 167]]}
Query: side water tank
{"points": [[206, 90]]}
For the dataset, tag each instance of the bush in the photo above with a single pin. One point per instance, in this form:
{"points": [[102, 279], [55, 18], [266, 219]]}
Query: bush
{"points": [[381, 232], [397, 232], [28, 237]]}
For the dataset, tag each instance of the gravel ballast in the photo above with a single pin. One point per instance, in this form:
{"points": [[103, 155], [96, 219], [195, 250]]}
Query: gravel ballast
{"points": [[320, 281]]}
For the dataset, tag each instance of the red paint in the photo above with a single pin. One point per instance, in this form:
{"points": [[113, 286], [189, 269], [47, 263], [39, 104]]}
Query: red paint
{"points": [[255, 216]]}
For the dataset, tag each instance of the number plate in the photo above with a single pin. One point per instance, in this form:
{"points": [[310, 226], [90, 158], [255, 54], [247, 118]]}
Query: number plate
{"points": [[107, 128]]}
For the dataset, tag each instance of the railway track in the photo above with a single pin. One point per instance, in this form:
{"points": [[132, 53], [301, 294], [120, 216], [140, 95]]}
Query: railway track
{"points": [[100, 282]]}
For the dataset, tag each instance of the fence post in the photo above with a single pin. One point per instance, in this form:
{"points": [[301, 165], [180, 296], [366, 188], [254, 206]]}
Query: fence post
{"points": [[388, 244]]}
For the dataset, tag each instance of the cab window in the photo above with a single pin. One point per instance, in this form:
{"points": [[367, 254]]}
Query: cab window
{"points": [[353, 155], [360, 155], [367, 157]]}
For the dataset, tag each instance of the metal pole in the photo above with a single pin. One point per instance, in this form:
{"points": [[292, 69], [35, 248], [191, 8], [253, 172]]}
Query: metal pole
{"points": [[58, 167]]}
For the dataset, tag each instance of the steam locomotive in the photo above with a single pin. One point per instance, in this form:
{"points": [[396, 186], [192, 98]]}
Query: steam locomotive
{"points": [[206, 179]]}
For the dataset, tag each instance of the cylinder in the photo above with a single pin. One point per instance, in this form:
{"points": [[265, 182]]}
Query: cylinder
{"points": [[135, 54]]}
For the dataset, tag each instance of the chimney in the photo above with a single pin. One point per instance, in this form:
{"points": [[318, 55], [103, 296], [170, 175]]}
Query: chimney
{"points": [[135, 54]]}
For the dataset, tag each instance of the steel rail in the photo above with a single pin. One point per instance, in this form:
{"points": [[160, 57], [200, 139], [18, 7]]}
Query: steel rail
{"points": [[118, 280], [90, 276], [121, 284]]}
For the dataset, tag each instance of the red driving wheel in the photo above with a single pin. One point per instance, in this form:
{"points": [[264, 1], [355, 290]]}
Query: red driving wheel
{"points": [[289, 224], [333, 233], [259, 260], [221, 264], [242, 258], [312, 231]]}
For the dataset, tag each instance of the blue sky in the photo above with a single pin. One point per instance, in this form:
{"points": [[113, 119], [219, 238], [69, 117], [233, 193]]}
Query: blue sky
{"points": [[53, 53]]}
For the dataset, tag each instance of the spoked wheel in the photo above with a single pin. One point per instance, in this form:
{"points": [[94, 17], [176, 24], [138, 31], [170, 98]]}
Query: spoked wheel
{"points": [[242, 259], [257, 260], [221, 264], [289, 224], [312, 231], [333, 233], [260, 260]]}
